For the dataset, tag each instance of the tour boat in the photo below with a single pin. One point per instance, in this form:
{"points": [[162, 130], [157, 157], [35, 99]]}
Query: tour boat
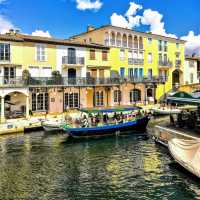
{"points": [[186, 153], [138, 125], [164, 111]]}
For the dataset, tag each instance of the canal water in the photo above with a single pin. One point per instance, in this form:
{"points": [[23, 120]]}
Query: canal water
{"points": [[41, 166]]}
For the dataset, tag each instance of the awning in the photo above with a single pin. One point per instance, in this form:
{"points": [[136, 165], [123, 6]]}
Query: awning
{"points": [[184, 98]]}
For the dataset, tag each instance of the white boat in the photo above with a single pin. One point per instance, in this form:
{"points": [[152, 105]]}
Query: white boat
{"points": [[164, 111], [53, 125], [186, 153]]}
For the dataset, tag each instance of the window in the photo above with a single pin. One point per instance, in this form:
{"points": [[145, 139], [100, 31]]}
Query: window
{"points": [[160, 58], [136, 72], [165, 46], [150, 59], [191, 63], [40, 101], [41, 52], [191, 78], [117, 96], [165, 58], [149, 73], [99, 98], [104, 55], [160, 45], [4, 52], [122, 54], [122, 72], [9, 75], [92, 54], [140, 72], [71, 100], [177, 55], [130, 73], [135, 95], [149, 40], [34, 71]]}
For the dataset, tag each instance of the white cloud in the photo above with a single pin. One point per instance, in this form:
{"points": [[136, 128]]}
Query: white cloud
{"points": [[133, 8], [41, 33], [119, 20], [154, 20], [1, 1], [5, 25], [150, 17], [129, 20], [192, 43], [89, 5]]}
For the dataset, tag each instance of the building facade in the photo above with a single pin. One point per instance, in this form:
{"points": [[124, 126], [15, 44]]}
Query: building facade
{"points": [[103, 67], [192, 70], [141, 55]]}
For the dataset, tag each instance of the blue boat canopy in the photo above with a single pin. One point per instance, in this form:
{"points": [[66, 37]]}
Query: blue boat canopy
{"points": [[184, 98], [111, 110]]}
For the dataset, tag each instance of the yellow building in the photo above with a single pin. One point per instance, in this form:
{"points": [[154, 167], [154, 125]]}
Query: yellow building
{"points": [[28, 86], [140, 56]]}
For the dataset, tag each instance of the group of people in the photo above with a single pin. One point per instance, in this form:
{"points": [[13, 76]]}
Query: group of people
{"points": [[98, 119]]}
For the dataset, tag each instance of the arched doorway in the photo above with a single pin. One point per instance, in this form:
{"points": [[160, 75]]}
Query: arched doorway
{"points": [[15, 105], [175, 78]]}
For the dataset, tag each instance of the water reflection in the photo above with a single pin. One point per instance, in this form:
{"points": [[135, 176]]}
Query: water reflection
{"points": [[38, 166]]}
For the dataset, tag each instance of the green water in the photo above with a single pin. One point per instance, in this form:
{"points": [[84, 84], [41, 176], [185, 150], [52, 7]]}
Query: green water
{"points": [[39, 166]]}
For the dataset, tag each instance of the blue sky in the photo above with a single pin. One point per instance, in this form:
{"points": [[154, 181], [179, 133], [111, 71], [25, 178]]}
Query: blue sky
{"points": [[63, 18]]}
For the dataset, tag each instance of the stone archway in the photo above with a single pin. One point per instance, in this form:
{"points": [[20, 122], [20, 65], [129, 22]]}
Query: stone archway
{"points": [[14, 104]]}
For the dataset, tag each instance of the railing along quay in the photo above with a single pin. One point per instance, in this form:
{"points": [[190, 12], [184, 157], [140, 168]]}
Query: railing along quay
{"points": [[65, 81]]}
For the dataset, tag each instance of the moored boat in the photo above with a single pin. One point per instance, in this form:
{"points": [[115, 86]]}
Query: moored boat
{"points": [[53, 125], [136, 124], [186, 153], [164, 111]]}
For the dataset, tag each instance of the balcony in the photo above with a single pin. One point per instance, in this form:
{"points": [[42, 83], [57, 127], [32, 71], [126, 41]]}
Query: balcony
{"points": [[83, 82], [165, 64], [106, 42], [135, 61], [112, 42], [66, 60], [178, 63]]}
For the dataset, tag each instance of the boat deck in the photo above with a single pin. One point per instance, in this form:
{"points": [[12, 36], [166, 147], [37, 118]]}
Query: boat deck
{"points": [[166, 132]]}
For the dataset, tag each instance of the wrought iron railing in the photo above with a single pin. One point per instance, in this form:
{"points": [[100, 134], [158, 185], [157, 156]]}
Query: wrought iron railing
{"points": [[65, 81], [165, 63], [73, 60], [135, 61]]}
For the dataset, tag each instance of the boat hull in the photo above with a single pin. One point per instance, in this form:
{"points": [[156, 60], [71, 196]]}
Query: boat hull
{"points": [[138, 126]]}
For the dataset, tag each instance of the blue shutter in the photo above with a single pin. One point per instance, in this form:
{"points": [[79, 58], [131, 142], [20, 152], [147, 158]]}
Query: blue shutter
{"points": [[122, 72], [136, 72]]}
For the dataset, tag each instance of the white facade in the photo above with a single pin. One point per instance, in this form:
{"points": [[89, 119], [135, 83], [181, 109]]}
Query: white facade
{"points": [[80, 53], [190, 71]]}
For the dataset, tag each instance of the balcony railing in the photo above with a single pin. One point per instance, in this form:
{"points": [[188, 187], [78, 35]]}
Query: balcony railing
{"points": [[65, 81], [73, 60], [165, 63], [135, 61], [178, 63], [112, 42]]}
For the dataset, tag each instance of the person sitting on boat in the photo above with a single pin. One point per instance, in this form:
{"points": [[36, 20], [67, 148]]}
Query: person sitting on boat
{"points": [[97, 120], [85, 122], [105, 118]]}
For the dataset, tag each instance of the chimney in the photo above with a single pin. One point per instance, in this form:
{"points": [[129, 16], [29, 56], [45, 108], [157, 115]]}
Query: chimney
{"points": [[90, 28], [11, 32]]}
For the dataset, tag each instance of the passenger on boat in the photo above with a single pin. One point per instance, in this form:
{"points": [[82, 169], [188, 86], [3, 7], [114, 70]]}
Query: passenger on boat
{"points": [[105, 118], [85, 122]]}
